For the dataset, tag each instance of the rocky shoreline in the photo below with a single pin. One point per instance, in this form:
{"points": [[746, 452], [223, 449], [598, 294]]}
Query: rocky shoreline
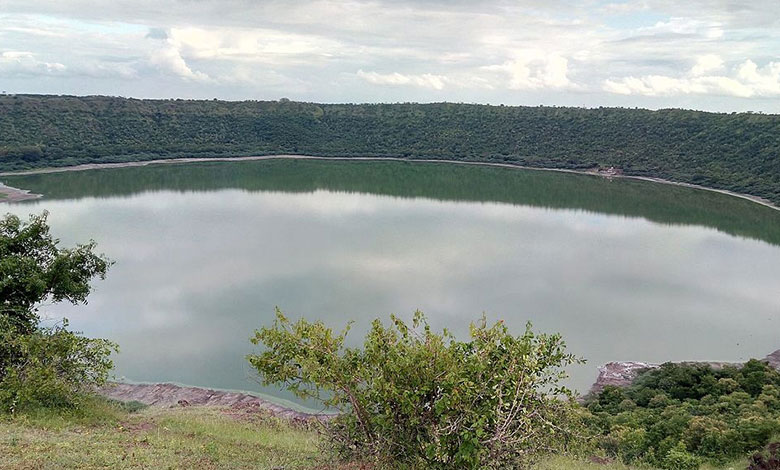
{"points": [[168, 395]]}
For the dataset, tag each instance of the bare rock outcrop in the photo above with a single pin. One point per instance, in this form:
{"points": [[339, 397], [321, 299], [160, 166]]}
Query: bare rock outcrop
{"points": [[774, 359], [166, 394], [619, 374]]}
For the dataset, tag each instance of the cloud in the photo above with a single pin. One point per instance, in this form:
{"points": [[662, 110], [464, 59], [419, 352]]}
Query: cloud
{"points": [[157, 33], [706, 64], [747, 80], [19, 63], [254, 45], [687, 27], [426, 80], [535, 70], [612, 52], [169, 60]]}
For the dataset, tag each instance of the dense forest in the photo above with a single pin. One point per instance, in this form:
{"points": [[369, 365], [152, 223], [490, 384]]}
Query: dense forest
{"points": [[738, 152]]}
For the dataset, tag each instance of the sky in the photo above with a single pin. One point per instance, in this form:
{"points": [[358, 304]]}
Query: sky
{"points": [[714, 55]]}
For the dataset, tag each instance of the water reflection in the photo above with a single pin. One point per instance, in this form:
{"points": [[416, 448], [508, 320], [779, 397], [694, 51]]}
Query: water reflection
{"points": [[660, 203], [197, 271]]}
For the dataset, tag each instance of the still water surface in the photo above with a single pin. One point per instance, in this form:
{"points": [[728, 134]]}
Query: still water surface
{"points": [[625, 270]]}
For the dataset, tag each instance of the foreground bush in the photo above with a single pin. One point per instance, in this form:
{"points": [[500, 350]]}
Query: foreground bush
{"points": [[55, 368], [417, 399], [45, 366]]}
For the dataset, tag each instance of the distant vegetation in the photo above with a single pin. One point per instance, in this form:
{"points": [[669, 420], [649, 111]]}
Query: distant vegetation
{"points": [[679, 415], [738, 152]]}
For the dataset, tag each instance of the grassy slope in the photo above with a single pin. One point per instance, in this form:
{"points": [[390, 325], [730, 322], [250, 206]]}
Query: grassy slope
{"points": [[184, 438], [105, 437]]}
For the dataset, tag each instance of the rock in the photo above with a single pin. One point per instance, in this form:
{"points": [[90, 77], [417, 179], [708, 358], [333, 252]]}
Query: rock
{"points": [[167, 395], [774, 359], [619, 374]]}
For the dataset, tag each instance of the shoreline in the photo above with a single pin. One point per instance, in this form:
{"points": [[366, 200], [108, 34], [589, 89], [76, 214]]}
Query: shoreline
{"points": [[11, 194], [15, 195], [168, 395]]}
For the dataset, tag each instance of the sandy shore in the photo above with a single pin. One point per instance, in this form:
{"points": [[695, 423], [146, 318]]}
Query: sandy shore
{"points": [[13, 194]]}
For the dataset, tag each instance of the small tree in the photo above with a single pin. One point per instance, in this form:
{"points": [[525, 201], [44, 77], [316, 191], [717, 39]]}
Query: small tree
{"points": [[412, 397], [45, 366]]}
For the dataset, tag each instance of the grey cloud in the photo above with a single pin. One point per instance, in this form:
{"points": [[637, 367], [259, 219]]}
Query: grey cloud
{"points": [[157, 33]]}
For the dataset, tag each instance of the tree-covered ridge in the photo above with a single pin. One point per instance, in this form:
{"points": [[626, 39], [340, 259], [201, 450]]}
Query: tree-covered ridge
{"points": [[739, 152]]}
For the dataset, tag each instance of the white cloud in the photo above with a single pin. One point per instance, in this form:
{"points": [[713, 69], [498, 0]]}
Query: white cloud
{"points": [[426, 80], [687, 26], [169, 60], [748, 80], [258, 44], [764, 81], [19, 63], [706, 64], [535, 70]]}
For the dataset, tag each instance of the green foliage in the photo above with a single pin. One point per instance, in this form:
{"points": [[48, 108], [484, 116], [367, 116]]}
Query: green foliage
{"points": [[55, 369], [738, 152], [45, 367], [419, 399], [33, 269], [679, 458], [683, 414]]}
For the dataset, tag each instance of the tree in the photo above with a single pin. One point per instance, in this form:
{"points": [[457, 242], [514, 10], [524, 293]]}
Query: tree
{"points": [[33, 269], [45, 366], [414, 398]]}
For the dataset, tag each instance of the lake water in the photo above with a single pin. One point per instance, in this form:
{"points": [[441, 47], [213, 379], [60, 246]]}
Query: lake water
{"points": [[625, 270]]}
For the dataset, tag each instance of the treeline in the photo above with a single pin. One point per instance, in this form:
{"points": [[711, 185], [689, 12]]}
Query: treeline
{"points": [[738, 152]]}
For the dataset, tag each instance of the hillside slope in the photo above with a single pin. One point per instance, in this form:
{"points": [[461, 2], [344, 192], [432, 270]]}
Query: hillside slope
{"points": [[738, 152]]}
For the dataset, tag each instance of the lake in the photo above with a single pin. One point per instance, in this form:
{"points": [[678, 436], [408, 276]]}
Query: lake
{"points": [[624, 269]]}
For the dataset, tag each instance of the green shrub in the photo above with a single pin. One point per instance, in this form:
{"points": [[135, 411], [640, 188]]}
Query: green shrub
{"points": [[55, 368], [679, 458], [417, 399]]}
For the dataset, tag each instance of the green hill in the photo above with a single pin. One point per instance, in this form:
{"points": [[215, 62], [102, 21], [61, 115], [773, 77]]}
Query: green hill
{"points": [[738, 152]]}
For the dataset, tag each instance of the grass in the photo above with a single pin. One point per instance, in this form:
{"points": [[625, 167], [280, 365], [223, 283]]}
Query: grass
{"points": [[568, 463], [107, 435]]}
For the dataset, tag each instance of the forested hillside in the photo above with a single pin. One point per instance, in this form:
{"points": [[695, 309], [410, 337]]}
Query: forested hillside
{"points": [[739, 152]]}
